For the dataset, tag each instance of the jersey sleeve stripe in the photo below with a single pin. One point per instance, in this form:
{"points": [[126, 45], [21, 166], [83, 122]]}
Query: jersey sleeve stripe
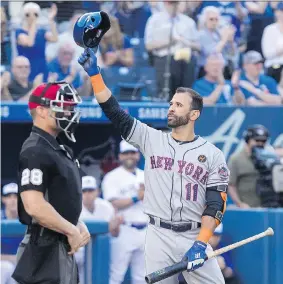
{"points": [[132, 131]]}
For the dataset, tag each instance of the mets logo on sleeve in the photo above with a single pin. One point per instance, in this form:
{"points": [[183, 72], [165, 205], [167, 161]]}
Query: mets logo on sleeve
{"points": [[202, 158], [223, 172]]}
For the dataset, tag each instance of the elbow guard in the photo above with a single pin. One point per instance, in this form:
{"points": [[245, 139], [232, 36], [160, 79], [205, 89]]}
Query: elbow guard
{"points": [[216, 197]]}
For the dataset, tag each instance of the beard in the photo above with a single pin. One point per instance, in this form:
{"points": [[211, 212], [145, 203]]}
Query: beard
{"points": [[177, 121], [130, 164]]}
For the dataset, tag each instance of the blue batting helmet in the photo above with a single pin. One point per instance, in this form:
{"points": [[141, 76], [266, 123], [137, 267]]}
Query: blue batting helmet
{"points": [[90, 28]]}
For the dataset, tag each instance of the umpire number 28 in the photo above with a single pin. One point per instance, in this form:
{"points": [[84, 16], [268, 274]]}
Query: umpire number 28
{"points": [[31, 176], [191, 192]]}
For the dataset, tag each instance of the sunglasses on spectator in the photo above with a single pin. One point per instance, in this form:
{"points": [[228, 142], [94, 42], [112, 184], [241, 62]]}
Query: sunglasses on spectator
{"points": [[213, 19], [28, 15], [23, 66]]}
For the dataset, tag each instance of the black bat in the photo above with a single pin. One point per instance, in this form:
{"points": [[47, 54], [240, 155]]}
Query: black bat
{"points": [[166, 272]]}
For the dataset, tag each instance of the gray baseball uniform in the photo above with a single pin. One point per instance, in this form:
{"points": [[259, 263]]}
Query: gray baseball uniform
{"points": [[176, 177]]}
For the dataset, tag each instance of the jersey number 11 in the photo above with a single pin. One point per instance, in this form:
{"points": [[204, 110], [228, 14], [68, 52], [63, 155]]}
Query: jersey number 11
{"points": [[191, 192]]}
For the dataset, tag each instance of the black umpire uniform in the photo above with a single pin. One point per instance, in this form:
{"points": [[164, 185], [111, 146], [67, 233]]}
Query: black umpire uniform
{"points": [[48, 167]]}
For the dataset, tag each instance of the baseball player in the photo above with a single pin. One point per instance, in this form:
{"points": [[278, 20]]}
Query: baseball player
{"points": [[186, 180], [124, 187], [95, 208]]}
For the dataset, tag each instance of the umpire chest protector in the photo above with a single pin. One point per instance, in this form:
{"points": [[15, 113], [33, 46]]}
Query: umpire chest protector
{"points": [[49, 167]]}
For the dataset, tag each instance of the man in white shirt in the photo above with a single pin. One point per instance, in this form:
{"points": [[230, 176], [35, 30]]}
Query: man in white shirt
{"points": [[171, 32], [124, 187], [95, 208], [272, 45]]}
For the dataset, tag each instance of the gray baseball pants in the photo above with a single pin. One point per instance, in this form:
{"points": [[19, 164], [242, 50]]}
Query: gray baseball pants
{"points": [[165, 247]]}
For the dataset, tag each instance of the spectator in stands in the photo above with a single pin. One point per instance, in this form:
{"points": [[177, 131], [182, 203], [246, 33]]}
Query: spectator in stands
{"points": [[224, 260], [272, 45], [132, 17], [213, 87], [17, 85], [61, 67], [184, 41], [232, 13], [260, 15], [31, 38], [65, 12], [9, 245], [115, 48], [214, 40], [5, 42], [258, 88], [95, 208], [67, 36]]}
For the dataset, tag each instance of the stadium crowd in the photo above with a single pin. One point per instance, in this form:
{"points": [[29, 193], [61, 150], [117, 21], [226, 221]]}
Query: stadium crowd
{"points": [[231, 52]]}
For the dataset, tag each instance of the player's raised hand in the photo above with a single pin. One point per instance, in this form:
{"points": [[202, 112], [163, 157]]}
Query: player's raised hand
{"points": [[88, 61], [196, 256]]}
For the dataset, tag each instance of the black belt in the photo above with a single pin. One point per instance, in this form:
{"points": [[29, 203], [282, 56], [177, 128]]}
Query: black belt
{"points": [[174, 227], [37, 231]]}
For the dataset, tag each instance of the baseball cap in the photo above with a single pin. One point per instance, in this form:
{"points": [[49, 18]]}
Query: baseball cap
{"points": [[10, 188], [219, 230], [127, 147], [89, 183], [252, 57]]}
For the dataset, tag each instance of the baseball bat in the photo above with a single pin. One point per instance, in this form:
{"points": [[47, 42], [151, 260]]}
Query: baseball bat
{"points": [[182, 265]]}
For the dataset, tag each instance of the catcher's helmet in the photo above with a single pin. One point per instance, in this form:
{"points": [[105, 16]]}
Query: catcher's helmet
{"points": [[257, 132], [90, 28], [62, 99]]}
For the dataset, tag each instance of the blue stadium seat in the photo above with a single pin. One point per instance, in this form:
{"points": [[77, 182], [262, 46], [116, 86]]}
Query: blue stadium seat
{"points": [[134, 83], [140, 52]]}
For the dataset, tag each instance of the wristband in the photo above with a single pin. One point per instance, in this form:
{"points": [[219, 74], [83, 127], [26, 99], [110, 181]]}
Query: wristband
{"points": [[135, 199], [97, 83], [204, 235]]}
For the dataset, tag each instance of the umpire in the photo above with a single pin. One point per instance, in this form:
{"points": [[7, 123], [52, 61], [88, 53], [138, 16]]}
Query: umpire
{"points": [[50, 198]]}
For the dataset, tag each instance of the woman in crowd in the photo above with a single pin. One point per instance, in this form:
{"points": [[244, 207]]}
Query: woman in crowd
{"points": [[31, 38], [115, 48], [215, 40]]}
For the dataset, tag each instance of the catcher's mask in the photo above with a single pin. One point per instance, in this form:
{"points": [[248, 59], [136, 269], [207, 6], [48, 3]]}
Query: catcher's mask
{"points": [[61, 98], [90, 28]]}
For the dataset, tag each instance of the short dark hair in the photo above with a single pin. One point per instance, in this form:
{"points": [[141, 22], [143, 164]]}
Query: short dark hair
{"points": [[197, 100]]}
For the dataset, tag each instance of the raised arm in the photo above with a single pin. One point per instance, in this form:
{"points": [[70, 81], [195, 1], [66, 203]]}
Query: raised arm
{"points": [[108, 103], [130, 128]]}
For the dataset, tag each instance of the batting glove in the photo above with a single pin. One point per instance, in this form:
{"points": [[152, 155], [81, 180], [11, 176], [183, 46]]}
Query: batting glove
{"points": [[196, 256], [88, 61]]}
